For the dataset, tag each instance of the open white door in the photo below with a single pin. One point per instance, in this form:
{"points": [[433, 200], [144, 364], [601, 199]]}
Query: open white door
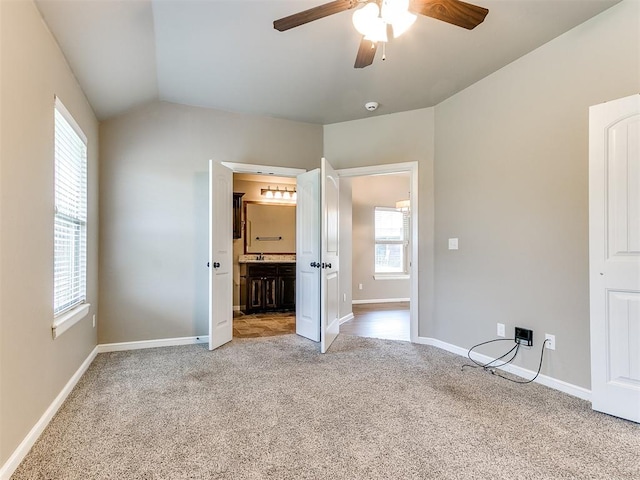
{"points": [[308, 255], [614, 251], [220, 254], [330, 285], [317, 281]]}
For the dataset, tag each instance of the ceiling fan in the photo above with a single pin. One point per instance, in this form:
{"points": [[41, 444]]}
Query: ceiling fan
{"points": [[375, 17]]}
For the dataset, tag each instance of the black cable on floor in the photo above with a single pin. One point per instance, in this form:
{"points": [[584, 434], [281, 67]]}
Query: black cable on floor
{"points": [[492, 368], [537, 373], [486, 365]]}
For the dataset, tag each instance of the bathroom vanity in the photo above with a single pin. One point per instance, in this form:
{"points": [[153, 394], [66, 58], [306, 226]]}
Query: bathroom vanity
{"points": [[267, 285]]}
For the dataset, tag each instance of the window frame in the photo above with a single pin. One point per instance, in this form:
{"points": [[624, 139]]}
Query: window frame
{"points": [[74, 310], [404, 242]]}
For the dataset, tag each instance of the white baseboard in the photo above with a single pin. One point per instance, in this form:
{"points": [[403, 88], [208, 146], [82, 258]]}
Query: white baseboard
{"points": [[380, 300], [18, 455], [164, 342], [346, 318], [550, 382]]}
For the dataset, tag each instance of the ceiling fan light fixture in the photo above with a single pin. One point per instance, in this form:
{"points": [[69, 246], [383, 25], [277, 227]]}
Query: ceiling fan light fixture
{"points": [[377, 31], [402, 23], [367, 22], [364, 18], [371, 20], [392, 9]]}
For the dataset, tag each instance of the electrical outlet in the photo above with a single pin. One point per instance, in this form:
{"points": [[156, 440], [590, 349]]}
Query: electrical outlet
{"points": [[359, 286], [344, 297], [524, 336], [453, 244], [551, 341], [501, 330], [94, 320]]}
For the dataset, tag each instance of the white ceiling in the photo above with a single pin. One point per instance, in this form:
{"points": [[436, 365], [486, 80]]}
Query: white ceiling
{"points": [[225, 54]]}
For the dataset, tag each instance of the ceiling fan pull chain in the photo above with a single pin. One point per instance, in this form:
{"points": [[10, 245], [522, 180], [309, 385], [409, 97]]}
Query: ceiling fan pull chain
{"points": [[384, 51]]}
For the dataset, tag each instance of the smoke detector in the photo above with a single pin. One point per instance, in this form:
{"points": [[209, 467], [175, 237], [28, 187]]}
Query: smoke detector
{"points": [[371, 106]]}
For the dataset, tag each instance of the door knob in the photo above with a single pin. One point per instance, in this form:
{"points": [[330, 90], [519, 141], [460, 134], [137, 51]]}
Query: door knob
{"points": [[216, 264]]}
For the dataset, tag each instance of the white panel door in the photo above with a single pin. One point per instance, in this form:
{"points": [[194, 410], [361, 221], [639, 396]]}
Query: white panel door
{"points": [[220, 255], [614, 251], [308, 255], [330, 288]]}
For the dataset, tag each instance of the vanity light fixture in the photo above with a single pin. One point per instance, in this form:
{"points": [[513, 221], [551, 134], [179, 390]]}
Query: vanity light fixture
{"points": [[279, 194]]}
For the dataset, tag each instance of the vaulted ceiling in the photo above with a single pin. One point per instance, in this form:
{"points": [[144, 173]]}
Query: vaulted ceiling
{"points": [[225, 54]]}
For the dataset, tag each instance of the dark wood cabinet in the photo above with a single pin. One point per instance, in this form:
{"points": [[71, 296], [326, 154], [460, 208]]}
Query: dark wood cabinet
{"points": [[237, 214], [287, 287], [267, 287], [262, 293]]}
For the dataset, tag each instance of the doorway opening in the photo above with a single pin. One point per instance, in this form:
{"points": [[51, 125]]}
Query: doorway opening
{"points": [[346, 287], [380, 250], [264, 249]]}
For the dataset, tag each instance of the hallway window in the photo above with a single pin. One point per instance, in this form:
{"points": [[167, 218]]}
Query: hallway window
{"points": [[70, 222], [391, 240]]}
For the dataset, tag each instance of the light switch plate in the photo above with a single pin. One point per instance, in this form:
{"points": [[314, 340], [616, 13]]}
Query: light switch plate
{"points": [[453, 244]]}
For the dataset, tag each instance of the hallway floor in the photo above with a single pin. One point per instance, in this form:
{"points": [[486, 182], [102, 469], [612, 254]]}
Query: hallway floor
{"points": [[377, 320]]}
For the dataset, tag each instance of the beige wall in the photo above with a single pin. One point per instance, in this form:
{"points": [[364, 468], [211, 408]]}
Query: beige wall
{"points": [[388, 139], [512, 183], [33, 367], [154, 209], [367, 193]]}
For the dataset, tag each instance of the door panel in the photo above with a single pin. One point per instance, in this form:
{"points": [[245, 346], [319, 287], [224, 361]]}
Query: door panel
{"points": [[220, 255], [308, 255], [614, 256], [623, 189], [330, 288], [623, 331]]}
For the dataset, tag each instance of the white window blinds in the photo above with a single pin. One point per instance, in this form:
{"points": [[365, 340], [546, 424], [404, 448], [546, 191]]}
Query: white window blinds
{"points": [[70, 225], [391, 240]]}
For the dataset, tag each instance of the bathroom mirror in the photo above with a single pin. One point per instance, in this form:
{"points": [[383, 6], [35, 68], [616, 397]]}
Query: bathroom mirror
{"points": [[269, 228]]}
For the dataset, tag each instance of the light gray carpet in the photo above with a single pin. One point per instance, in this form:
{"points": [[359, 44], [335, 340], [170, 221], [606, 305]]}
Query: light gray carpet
{"points": [[275, 408]]}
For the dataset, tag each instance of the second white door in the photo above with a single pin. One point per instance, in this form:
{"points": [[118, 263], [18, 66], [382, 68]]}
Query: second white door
{"points": [[317, 272]]}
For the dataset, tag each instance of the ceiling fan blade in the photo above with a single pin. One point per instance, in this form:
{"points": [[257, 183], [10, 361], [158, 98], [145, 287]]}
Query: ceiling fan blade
{"points": [[314, 13], [456, 12], [366, 52]]}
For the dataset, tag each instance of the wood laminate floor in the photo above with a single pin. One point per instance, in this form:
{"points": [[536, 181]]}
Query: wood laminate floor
{"points": [[378, 320]]}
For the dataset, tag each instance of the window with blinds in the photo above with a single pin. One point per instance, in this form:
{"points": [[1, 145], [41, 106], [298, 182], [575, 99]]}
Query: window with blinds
{"points": [[70, 225], [391, 240]]}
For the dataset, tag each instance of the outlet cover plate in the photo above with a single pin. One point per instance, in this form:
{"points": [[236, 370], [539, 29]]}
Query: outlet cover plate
{"points": [[551, 344]]}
